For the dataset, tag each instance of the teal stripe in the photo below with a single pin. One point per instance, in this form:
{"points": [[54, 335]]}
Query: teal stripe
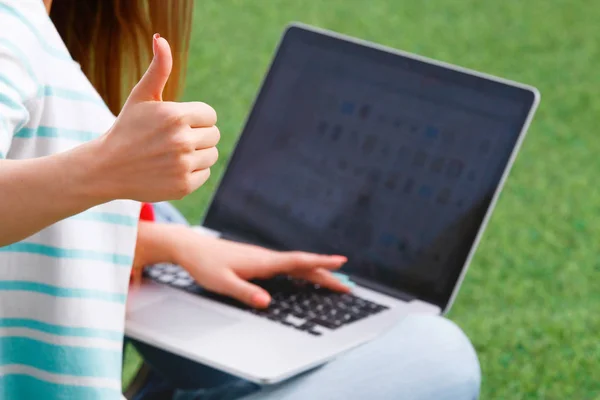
{"points": [[11, 103], [22, 57], [58, 53], [18, 386], [107, 218], [46, 90], [60, 252], [65, 360], [42, 288], [61, 330], [62, 133], [11, 85], [51, 91], [72, 95]]}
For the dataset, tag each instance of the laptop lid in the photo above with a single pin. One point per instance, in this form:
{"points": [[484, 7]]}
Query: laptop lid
{"points": [[391, 159]]}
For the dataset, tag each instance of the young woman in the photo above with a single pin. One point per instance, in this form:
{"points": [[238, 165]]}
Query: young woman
{"points": [[72, 179]]}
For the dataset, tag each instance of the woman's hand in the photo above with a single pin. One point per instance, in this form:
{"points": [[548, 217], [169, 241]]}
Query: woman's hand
{"points": [[225, 267], [157, 150]]}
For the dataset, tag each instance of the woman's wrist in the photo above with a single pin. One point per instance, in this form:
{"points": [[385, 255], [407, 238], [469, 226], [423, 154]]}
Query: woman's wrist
{"points": [[73, 175], [97, 182], [158, 243], [83, 176]]}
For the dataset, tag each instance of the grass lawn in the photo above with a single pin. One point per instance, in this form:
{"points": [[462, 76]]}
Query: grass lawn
{"points": [[530, 301]]}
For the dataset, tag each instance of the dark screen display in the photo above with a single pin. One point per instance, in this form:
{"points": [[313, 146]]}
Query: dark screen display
{"points": [[388, 160]]}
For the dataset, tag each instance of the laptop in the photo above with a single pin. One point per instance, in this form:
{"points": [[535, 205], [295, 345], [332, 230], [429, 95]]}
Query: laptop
{"points": [[391, 159]]}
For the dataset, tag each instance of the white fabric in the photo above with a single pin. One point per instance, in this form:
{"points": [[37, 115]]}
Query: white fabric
{"points": [[62, 290]]}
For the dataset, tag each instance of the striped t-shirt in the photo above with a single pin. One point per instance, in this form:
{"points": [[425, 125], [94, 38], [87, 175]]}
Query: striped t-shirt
{"points": [[62, 290]]}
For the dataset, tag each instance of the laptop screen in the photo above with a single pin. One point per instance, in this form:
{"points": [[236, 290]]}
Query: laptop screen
{"points": [[383, 158]]}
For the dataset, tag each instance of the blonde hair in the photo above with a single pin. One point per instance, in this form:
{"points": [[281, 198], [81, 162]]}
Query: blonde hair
{"points": [[112, 41]]}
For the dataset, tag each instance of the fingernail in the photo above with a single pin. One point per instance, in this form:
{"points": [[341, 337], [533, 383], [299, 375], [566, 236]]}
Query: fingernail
{"points": [[154, 43], [261, 299], [341, 258]]}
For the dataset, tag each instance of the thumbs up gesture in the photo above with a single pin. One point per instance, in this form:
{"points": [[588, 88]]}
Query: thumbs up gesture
{"points": [[158, 150]]}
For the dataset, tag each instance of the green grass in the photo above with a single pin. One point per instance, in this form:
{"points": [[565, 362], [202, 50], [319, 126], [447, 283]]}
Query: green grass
{"points": [[531, 298]]}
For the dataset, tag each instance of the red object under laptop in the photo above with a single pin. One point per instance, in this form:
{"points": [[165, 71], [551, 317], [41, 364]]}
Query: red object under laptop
{"points": [[147, 213]]}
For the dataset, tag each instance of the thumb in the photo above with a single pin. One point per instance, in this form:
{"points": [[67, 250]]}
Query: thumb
{"points": [[244, 291], [152, 84]]}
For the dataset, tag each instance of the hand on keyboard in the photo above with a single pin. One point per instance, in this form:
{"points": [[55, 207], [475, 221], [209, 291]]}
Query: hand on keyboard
{"points": [[226, 267], [295, 303]]}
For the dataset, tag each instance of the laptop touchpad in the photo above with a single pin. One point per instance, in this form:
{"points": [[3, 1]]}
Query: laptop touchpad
{"points": [[181, 318]]}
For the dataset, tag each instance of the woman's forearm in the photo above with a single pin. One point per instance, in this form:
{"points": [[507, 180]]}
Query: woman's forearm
{"points": [[157, 243], [38, 192]]}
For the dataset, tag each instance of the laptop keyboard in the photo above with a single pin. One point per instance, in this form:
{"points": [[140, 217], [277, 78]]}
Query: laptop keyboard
{"points": [[295, 303]]}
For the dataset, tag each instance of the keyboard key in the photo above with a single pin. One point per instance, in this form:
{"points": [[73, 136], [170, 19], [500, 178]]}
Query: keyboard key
{"points": [[355, 311], [166, 278], [182, 282], [311, 315], [360, 302], [307, 326], [284, 305], [172, 268], [317, 330], [295, 321], [154, 273], [327, 323], [183, 274], [298, 311]]}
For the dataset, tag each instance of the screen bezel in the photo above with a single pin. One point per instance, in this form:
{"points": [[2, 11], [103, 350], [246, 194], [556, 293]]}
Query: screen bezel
{"points": [[528, 94]]}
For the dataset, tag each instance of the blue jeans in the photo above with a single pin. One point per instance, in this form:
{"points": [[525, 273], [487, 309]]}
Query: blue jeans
{"points": [[422, 358]]}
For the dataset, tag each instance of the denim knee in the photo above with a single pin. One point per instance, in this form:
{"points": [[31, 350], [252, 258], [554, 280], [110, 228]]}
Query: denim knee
{"points": [[448, 354]]}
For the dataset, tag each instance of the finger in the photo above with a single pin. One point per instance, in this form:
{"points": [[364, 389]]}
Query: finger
{"points": [[205, 138], [286, 262], [244, 291], [324, 278], [203, 159], [199, 178], [135, 280], [152, 84], [197, 114]]}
